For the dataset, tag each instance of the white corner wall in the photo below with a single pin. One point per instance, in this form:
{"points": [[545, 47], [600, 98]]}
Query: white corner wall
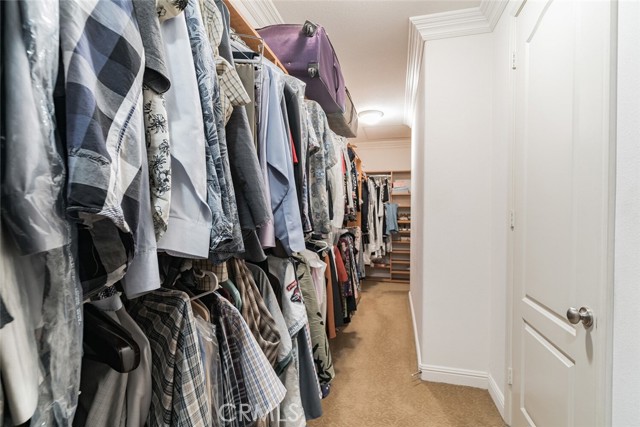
{"points": [[416, 292], [626, 337], [456, 221], [502, 81]]}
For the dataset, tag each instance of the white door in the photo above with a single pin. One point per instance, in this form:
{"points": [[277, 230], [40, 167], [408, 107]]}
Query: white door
{"points": [[563, 211]]}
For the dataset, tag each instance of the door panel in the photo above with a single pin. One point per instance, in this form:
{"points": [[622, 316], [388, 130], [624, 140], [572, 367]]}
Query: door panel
{"points": [[562, 208], [547, 377]]}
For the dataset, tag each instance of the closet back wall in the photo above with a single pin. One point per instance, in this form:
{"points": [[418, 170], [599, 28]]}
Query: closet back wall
{"points": [[392, 155]]}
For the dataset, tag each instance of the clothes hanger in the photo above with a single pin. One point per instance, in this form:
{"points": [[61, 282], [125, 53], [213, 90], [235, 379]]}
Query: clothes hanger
{"points": [[106, 341], [211, 275]]}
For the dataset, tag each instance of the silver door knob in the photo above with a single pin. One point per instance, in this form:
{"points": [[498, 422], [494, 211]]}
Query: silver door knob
{"points": [[584, 315]]}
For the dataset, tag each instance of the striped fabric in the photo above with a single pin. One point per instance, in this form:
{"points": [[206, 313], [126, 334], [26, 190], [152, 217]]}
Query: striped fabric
{"points": [[233, 93], [263, 388], [234, 392], [103, 65], [178, 378], [255, 312]]}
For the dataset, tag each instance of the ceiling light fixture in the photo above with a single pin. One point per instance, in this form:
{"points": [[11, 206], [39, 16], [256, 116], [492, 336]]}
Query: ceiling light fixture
{"points": [[370, 117]]}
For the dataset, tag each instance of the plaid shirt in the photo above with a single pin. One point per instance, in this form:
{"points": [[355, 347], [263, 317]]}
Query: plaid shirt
{"points": [[104, 64], [233, 93], [261, 385], [178, 377], [255, 312]]}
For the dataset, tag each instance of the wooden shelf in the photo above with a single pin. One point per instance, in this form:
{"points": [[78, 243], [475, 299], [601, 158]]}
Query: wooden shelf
{"points": [[400, 256], [242, 26]]}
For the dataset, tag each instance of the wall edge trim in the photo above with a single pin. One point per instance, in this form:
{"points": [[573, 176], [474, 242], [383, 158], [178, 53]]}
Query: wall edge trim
{"points": [[497, 396], [455, 376], [415, 332]]}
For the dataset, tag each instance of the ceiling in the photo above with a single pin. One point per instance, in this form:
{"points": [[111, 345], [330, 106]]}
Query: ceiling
{"points": [[371, 41]]}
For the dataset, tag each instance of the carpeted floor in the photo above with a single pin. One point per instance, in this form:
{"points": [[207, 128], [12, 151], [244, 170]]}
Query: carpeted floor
{"points": [[374, 358]]}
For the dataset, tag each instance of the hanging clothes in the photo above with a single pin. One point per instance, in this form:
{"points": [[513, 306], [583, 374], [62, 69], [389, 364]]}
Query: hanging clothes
{"points": [[103, 190], [319, 341], [286, 213], [178, 378], [191, 219], [260, 385], [255, 312]]}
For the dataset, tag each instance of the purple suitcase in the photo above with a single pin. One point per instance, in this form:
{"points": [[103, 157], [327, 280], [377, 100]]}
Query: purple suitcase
{"points": [[307, 53], [345, 124]]}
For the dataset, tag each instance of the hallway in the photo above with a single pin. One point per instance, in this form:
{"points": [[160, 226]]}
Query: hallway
{"points": [[374, 358]]}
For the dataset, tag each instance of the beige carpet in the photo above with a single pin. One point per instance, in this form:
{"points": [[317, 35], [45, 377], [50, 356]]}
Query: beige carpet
{"points": [[374, 358]]}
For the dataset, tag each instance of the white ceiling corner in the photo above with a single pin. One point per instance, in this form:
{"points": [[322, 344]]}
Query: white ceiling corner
{"points": [[455, 23], [259, 13]]}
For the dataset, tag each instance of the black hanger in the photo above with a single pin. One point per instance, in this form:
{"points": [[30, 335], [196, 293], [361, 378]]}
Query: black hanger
{"points": [[106, 341]]}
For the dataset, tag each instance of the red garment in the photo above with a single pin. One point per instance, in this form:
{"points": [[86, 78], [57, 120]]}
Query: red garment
{"points": [[293, 149], [331, 320], [342, 270]]}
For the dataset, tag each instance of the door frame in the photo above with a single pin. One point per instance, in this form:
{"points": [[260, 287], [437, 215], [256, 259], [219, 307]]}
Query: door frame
{"points": [[605, 319]]}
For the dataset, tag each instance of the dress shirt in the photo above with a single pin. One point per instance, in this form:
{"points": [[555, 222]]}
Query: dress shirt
{"points": [[322, 159], [284, 200], [178, 378], [212, 367], [219, 187], [267, 233], [318, 268], [317, 328], [261, 386], [157, 137], [104, 64], [337, 182], [190, 219], [255, 312], [294, 92], [271, 301]]}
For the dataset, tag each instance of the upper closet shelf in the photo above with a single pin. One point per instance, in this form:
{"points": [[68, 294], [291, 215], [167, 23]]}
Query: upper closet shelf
{"points": [[241, 26]]}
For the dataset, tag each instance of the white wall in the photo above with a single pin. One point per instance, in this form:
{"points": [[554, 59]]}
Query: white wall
{"points": [[385, 155], [626, 347], [500, 205], [457, 218], [416, 293]]}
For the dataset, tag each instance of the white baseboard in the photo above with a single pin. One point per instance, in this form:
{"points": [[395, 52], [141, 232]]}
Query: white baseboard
{"points": [[444, 374], [497, 396], [415, 331]]}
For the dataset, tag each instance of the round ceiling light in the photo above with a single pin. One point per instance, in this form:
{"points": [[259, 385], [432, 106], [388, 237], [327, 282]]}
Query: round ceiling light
{"points": [[370, 117]]}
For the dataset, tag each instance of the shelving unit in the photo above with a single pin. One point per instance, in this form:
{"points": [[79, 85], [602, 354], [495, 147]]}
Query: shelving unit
{"points": [[397, 261]]}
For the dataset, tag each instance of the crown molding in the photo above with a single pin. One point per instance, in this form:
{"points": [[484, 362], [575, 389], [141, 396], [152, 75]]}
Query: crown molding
{"points": [[414, 65], [455, 23], [258, 13]]}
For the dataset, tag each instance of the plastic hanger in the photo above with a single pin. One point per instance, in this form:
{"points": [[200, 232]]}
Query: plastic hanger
{"points": [[211, 275], [106, 341]]}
